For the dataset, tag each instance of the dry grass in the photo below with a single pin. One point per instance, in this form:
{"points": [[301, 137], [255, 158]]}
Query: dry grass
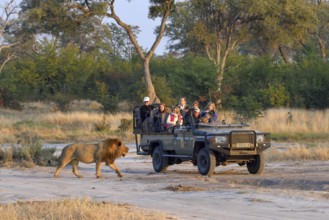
{"points": [[83, 124], [50, 125], [83, 209], [276, 121], [302, 121], [300, 152], [307, 125]]}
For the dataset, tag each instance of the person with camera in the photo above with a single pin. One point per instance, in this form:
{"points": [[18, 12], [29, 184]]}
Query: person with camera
{"points": [[209, 115]]}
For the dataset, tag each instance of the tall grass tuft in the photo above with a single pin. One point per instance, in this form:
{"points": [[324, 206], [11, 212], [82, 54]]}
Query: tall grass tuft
{"points": [[102, 125], [83, 209], [28, 152], [299, 152], [294, 121], [125, 125]]}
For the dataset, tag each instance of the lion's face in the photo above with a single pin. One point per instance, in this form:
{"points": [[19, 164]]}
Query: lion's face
{"points": [[123, 150], [115, 148]]}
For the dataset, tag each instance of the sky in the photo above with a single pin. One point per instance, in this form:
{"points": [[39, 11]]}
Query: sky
{"points": [[135, 13]]}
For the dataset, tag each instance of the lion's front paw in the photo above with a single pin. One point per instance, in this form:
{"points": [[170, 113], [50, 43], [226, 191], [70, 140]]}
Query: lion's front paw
{"points": [[120, 175], [99, 176]]}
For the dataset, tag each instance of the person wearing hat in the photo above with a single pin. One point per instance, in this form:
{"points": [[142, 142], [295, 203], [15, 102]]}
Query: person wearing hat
{"points": [[146, 108], [196, 115]]}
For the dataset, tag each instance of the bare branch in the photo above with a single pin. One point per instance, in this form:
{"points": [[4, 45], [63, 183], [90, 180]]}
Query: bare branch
{"points": [[128, 29], [206, 46], [9, 57], [162, 28], [9, 10], [7, 46]]}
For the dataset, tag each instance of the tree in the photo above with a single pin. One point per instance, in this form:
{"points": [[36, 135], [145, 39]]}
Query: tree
{"points": [[217, 26], [120, 43], [64, 22], [322, 31], [224, 26], [161, 8], [9, 9], [284, 27], [81, 22]]}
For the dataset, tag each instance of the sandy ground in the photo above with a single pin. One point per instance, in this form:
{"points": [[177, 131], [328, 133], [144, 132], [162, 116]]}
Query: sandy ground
{"points": [[287, 190]]}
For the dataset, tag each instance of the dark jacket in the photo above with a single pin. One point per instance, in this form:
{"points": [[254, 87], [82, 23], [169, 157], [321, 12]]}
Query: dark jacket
{"points": [[145, 111]]}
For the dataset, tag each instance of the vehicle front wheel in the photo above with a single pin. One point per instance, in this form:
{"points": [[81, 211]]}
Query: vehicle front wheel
{"points": [[257, 165], [206, 162], [160, 163]]}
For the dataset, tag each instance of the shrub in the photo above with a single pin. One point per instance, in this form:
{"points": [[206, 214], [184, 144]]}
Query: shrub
{"points": [[102, 125], [8, 100], [28, 153], [125, 124], [248, 107]]}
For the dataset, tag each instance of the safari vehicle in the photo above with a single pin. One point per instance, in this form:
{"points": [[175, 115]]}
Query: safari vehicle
{"points": [[206, 145]]}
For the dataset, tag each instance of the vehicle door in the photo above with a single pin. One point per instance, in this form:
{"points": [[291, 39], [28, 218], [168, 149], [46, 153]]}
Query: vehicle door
{"points": [[183, 141]]}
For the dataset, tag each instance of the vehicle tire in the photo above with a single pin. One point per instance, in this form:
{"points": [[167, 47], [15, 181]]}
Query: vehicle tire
{"points": [[206, 162], [160, 163], [257, 165]]}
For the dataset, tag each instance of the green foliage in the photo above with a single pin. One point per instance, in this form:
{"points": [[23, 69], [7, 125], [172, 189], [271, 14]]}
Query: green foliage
{"points": [[313, 80], [276, 95], [163, 89], [62, 100], [8, 99], [248, 107], [189, 76], [255, 86], [158, 7], [108, 101], [83, 58]]}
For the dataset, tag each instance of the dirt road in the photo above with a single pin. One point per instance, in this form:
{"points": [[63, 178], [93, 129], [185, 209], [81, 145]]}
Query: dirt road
{"points": [[287, 190]]}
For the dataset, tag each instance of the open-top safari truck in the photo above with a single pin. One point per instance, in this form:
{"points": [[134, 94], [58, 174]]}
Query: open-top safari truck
{"points": [[206, 145]]}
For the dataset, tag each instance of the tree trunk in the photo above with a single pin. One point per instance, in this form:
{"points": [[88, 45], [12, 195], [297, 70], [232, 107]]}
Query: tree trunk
{"points": [[283, 55], [219, 80], [149, 85], [323, 50], [145, 58]]}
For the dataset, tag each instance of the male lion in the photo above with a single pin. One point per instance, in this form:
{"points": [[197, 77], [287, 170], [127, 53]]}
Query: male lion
{"points": [[106, 151]]}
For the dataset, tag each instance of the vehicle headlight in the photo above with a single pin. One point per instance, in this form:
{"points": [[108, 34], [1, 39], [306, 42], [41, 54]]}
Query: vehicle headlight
{"points": [[221, 139], [260, 138]]}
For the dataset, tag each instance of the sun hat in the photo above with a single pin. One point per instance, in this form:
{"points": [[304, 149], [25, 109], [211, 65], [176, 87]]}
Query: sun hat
{"points": [[197, 110], [146, 99]]}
